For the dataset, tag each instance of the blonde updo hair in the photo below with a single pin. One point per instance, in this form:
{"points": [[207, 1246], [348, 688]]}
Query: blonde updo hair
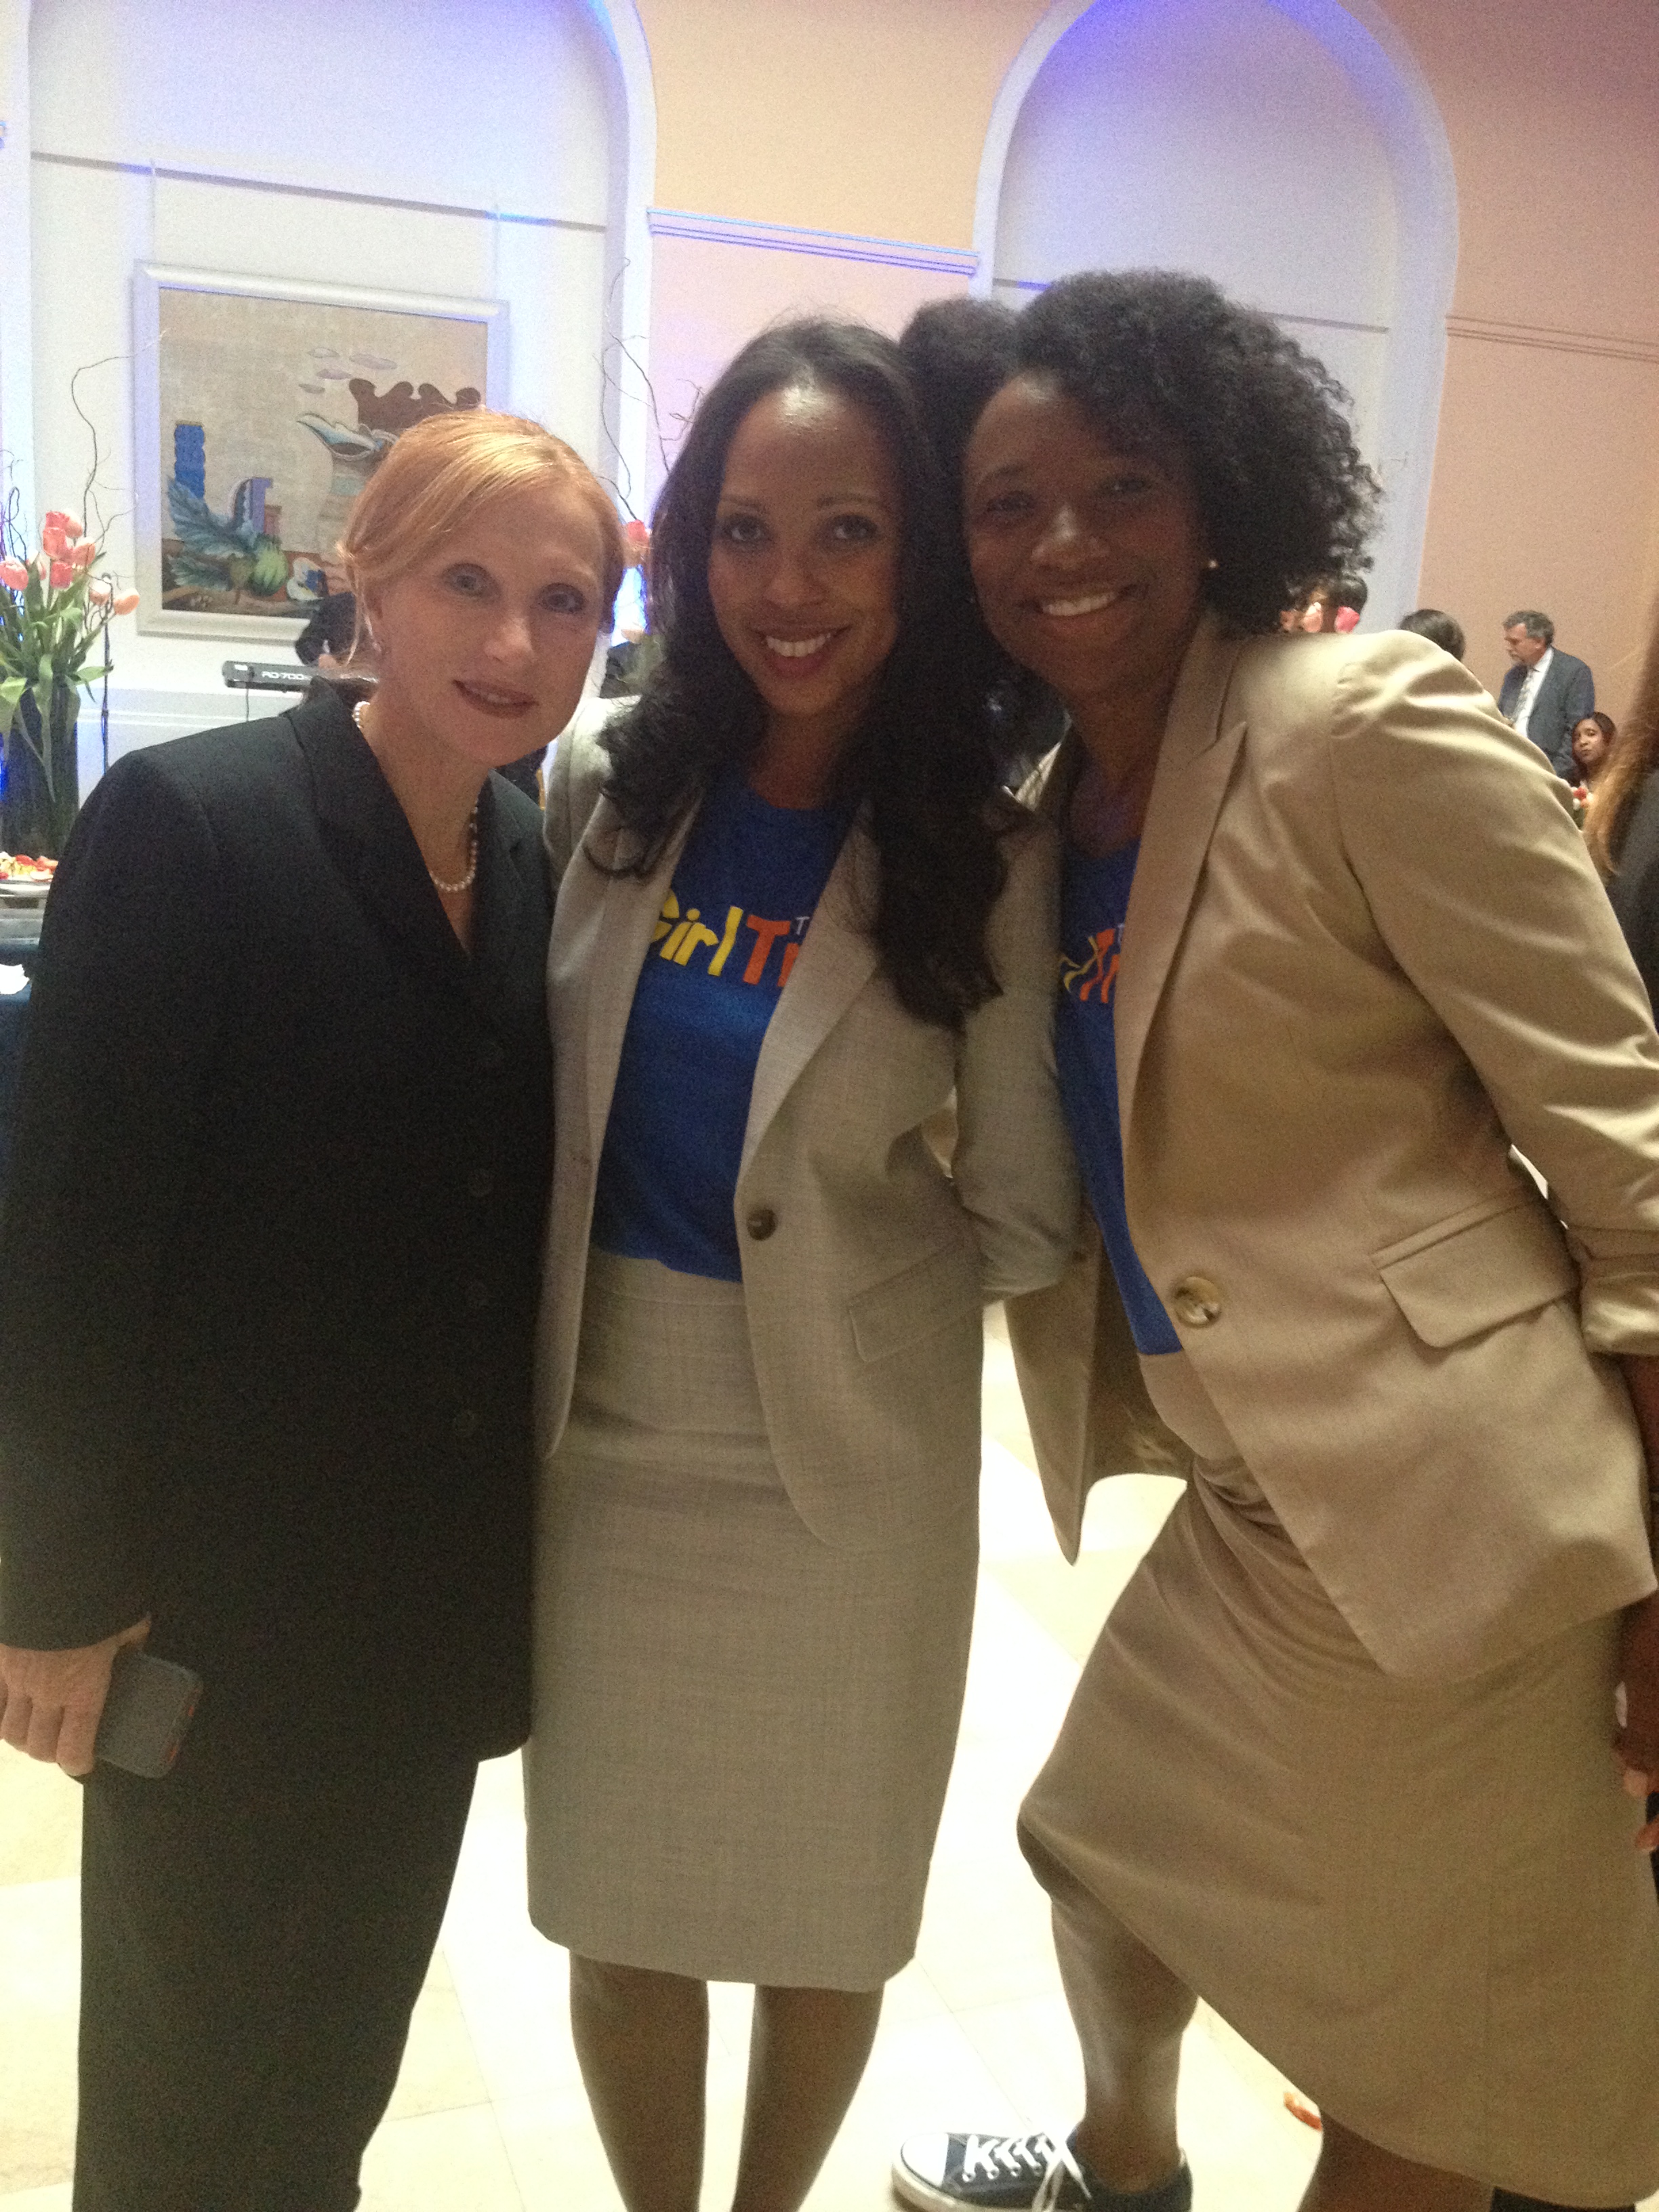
{"points": [[436, 477]]}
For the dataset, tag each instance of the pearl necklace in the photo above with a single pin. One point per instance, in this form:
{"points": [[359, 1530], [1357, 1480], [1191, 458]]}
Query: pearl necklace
{"points": [[466, 882]]}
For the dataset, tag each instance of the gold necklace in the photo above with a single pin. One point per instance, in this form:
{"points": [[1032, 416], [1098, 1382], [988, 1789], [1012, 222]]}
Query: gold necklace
{"points": [[465, 883]]}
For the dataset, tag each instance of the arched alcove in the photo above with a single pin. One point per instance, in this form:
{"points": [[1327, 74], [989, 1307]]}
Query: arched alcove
{"points": [[1290, 149]]}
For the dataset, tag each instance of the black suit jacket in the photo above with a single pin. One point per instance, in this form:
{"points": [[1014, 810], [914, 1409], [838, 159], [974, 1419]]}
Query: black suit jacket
{"points": [[271, 1255], [1566, 695]]}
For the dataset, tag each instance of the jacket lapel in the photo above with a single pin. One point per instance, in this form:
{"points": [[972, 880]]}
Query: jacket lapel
{"points": [[837, 958], [506, 906], [1193, 767], [628, 908], [372, 841]]}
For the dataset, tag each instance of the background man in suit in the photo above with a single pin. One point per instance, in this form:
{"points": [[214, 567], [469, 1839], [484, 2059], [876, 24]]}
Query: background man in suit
{"points": [[1546, 692]]}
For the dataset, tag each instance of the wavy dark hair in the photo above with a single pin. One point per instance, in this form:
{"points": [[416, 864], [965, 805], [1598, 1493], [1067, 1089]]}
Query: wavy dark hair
{"points": [[1153, 357], [924, 763]]}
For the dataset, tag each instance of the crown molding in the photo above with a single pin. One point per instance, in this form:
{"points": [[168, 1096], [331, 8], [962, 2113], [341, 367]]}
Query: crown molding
{"points": [[828, 244], [1530, 334]]}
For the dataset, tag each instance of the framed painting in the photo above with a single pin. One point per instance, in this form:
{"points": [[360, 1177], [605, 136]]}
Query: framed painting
{"points": [[261, 408]]}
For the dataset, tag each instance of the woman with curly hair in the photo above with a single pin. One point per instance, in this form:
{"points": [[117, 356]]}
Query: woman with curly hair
{"points": [[797, 917], [1339, 1763]]}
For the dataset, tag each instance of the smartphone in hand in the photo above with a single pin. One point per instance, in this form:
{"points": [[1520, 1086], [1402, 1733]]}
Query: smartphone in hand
{"points": [[146, 1713]]}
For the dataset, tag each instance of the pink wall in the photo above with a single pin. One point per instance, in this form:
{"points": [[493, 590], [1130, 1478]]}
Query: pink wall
{"points": [[709, 296], [870, 116], [1546, 471]]}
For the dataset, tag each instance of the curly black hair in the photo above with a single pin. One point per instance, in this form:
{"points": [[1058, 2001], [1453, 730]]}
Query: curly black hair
{"points": [[1153, 356], [924, 763]]}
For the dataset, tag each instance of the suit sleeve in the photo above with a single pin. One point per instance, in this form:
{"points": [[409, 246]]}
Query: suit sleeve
{"points": [[1014, 1170], [575, 776], [559, 832], [127, 1004], [1480, 885]]}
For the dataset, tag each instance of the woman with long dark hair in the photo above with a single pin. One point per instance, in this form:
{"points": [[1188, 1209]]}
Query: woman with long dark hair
{"points": [[797, 920], [1340, 1761]]}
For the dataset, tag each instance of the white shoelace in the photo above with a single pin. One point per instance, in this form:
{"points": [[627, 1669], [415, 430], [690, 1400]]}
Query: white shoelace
{"points": [[1013, 2158], [1060, 2163]]}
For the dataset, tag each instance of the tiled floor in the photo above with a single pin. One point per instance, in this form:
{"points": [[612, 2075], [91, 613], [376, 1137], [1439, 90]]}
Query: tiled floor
{"points": [[489, 2114]]}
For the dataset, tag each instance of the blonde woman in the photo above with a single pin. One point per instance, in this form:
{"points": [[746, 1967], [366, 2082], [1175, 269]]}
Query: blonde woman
{"points": [[270, 1261]]}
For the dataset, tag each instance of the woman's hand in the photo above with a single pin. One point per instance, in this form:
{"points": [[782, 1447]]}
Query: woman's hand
{"points": [[51, 1701]]}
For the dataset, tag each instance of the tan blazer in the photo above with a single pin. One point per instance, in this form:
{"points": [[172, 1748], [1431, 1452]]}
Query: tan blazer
{"points": [[1365, 953], [865, 1264]]}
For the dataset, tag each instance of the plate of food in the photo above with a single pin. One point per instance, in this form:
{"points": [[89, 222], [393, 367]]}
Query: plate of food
{"points": [[23, 881]]}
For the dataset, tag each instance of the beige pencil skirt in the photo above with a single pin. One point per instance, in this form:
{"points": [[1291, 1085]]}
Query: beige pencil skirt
{"points": [[742, 1736], [1420, 1901]]}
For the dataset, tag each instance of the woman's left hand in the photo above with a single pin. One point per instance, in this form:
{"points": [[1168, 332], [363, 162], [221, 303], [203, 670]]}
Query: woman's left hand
{"points": [[1637, 1743]]}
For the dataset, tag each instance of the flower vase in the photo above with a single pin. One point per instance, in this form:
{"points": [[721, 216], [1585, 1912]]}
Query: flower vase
{"points": [[41, 796]]}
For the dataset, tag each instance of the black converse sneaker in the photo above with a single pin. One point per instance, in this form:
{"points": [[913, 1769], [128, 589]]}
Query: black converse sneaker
{"points": [[1019, 2173], [998, 2173]]}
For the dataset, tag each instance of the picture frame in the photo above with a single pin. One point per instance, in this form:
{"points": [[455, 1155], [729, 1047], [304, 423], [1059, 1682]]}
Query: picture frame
{"points": [[261, 407]]}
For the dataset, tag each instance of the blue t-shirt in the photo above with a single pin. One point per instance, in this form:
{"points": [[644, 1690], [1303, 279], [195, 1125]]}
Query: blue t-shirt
{"points": [[729, 933], [1094, 899]]}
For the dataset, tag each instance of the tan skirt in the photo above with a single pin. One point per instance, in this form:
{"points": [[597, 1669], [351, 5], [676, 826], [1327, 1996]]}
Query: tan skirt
{"points": [[743, 1737], [1420, 1901]]}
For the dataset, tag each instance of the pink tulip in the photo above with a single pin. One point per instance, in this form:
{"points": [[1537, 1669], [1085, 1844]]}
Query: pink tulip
{"points": [[72, 528], [54, 541], [13, 575], [83, 554], [60, 518], [41, 565], [100, 592], [126, 604], [60, 576]]}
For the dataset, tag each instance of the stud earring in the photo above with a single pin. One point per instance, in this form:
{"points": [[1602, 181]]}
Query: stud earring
{"points": [[1212, 562]]}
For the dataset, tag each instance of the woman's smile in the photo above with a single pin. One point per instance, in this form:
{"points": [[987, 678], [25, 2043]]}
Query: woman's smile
{"points": [[1072, 609], [802, 656], [495, 699]]}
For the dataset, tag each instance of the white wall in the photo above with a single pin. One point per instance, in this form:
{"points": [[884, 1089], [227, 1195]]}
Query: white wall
{"points": [[415, 145], [1220, 136]]}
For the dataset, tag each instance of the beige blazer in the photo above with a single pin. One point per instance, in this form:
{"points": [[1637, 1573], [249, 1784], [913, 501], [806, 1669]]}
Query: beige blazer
{"points": [[865, 1264], [1365, 953]]}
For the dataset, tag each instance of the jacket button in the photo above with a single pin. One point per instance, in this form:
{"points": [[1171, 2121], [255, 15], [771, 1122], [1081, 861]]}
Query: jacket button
{"points": [[464, 1425], [480, 1182], [1197, 1301], [762, 1222]]}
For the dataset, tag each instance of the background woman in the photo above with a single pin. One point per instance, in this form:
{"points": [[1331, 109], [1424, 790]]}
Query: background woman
{"points": [[1592, 740], [799, 919], [267, 1292], [1339, 1762]]}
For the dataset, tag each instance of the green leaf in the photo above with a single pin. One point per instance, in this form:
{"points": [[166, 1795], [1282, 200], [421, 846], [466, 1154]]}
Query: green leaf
{"points": [[11, 692]]}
